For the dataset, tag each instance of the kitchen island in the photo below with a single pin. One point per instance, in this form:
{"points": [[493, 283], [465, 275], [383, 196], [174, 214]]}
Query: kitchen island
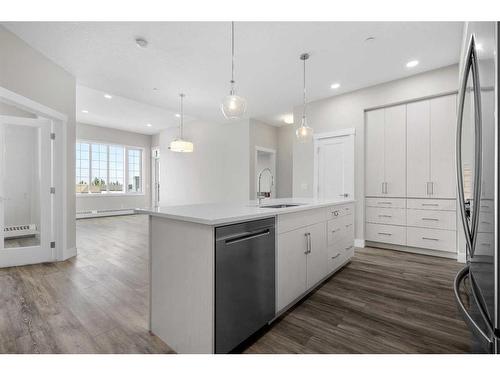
{"points": [[299, 242]]}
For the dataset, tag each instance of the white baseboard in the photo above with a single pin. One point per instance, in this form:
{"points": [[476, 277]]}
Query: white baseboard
{"points": [[358, 242], [104, 213], [69, 253]]}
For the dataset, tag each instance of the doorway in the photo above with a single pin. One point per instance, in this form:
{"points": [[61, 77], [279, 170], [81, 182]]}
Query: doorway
{"points": [[265, 158], [25, 191], [334, 165], [155, 176]]}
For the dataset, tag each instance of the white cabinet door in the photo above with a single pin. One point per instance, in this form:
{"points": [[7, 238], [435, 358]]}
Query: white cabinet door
{"points": [[374, 153], [292, 247], [442, 147], [418, 149], [395, 151], [317, 259]]}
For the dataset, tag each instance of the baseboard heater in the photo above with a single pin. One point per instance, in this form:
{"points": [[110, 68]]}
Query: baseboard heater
{"points": [[104, 212], [17, 231]]}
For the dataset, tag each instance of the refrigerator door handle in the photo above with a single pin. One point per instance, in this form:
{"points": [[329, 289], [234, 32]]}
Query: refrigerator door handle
{"points": [[456, 287], [470, 64]]}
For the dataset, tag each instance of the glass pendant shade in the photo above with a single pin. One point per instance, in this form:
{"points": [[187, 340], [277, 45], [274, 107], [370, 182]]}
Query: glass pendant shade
{"points": [[180, 145], [233, 107], [304, 133]]}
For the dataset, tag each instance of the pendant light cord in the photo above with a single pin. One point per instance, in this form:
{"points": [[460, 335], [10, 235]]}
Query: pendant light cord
{"points": [[232, 57], [182, 116], [304, 58]]}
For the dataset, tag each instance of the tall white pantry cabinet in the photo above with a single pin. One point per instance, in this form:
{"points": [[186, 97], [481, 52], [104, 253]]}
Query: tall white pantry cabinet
{"points": [[410, 187]]}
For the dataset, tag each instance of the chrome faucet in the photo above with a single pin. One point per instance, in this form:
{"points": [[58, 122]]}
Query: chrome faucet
{"points": [[262, 195]]}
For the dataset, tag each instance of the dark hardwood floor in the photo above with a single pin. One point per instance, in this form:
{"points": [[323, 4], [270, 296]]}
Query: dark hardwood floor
{"points": [[382, 302]]}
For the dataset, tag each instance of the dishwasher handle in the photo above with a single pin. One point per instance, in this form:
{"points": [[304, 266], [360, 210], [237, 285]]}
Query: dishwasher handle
{"points": [[246, 236]]}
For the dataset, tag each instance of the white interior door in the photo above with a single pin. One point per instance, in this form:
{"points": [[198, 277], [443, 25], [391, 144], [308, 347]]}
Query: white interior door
{"points": [[25, 198], [335, 167]]}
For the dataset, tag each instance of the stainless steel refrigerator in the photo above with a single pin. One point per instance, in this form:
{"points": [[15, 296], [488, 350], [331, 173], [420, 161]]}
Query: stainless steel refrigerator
{"points": [[477, 285]]}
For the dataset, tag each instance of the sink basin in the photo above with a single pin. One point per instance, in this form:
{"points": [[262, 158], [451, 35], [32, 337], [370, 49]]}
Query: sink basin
{"points": [[284, 205]]}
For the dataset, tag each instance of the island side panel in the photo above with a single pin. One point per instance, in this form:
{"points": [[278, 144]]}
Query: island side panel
{"points": [[182, 284]]}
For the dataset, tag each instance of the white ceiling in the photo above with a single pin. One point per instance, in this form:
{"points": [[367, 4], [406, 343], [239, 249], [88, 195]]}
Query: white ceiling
{"points": [[194, 57], [122, 113]]}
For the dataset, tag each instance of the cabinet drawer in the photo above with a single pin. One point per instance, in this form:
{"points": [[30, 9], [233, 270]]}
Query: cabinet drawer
{"points": [[386, 202], [339, 211], [432, 204], [386, 233], [487, 205], [380, 215], [484, 244], [486, 220], [288, 222], [335, 258], [436, 239], [432, 219], [340, 230]]}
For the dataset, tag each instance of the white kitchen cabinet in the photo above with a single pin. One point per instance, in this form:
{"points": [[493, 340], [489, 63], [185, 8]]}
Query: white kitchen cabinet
{"points": [[291, 278], [431, 148], [442, 147], [395, 151], [418, 149], [317, 264], [311, 249], [386, 152], [374, 153]]}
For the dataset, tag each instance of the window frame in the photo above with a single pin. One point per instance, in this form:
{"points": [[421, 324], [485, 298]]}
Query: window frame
{"points": [[107, 192]]}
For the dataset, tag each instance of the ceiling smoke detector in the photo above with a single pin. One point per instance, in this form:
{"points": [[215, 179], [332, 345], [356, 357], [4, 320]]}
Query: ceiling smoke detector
{"points": [[141, 42]]}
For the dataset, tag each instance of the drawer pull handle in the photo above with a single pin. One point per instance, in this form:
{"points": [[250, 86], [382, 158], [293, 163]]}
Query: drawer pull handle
{"points": [[348, 247], [384, 202], [335, 230], [430, 239], [485, 222], [385, 234], [384, 215], [335, 256], [430, 204], [430, 219], [486, 244], [348, 225]]}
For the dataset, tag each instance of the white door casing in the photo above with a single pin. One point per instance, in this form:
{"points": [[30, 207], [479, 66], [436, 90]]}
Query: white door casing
{"points": [[334, 165], [42, 252]]}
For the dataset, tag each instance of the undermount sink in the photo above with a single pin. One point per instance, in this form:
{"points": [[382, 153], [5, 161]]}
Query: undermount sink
{"points": [[284, 205]]}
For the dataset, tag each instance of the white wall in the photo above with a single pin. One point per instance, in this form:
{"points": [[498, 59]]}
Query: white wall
{"points": [[217, 170], [27, 72], [347, 111], [261, 135], [115, 136]]}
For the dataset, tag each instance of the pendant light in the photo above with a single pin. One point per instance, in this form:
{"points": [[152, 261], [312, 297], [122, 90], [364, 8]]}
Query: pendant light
{"points": [[233, 106], [180, 144], [304, 133]]}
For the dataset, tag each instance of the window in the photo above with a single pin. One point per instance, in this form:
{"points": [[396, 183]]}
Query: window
{"points": [[82, 167], [116, 169], [103, 168], [134, 170]]}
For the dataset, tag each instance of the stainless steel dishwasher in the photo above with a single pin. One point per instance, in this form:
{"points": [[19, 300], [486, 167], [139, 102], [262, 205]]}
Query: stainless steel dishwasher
{"points": [[244, 281]]}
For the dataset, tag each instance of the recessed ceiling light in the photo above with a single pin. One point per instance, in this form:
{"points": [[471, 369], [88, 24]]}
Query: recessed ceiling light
{"points": [[141, 42], [107, 96], [412, 63], [288, 119], [85, 111], [177, 115], [149, 125], [335, 85]]}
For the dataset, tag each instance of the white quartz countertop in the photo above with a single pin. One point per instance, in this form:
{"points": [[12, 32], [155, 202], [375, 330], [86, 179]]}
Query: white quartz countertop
{"points": [[226, 213]]}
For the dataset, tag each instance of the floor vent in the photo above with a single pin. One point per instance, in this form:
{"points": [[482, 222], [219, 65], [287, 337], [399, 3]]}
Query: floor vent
{"points": [[15, 231], [104, 212]]}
